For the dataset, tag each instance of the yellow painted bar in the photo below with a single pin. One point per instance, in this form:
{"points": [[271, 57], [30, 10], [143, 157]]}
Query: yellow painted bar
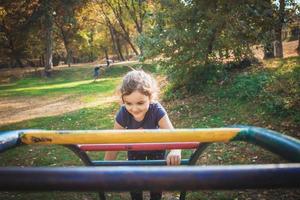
{"points": [[128, 136]]}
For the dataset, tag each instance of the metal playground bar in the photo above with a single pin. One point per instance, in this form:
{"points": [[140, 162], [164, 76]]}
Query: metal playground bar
{"points": [[125, 175]]}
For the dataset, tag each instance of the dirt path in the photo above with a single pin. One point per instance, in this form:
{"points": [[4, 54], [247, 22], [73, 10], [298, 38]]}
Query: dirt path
{"points": [[14, 110]]}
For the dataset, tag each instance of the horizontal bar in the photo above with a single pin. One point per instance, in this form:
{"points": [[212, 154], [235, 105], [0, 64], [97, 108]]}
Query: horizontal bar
{"points": [[135, 162], [150, 178], [280, 144], [139, 146], [128, 136]]}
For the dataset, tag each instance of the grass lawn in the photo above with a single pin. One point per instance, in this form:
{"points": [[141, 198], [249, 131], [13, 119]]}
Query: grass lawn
{"points": [[240, 100]]}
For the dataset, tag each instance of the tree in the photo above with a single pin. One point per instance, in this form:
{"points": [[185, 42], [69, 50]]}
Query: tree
{"points": [[75, 29], [114, 33], [66, 22], [297, 17], [117, 10], [273, 16], [298, 48], [280, 20], [195, 37], [93, 37], [137, 11], [115, 38], [17, 20], [48, 10]]}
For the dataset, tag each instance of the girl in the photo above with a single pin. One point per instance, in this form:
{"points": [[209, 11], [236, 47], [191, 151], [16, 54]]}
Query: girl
{"points": [[140, 111]]}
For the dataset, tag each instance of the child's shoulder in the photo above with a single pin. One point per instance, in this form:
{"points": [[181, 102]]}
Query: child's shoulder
{"points": [[123, 108], [157, 110], [122, 113], [155, 103], [156, 106]]}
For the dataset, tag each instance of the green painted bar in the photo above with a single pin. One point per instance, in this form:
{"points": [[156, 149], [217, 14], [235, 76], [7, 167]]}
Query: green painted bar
{"points": [[283, 145]]}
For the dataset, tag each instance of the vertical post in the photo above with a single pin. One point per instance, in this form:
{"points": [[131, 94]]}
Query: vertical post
{"points": [[86, 160], [192, 161]]}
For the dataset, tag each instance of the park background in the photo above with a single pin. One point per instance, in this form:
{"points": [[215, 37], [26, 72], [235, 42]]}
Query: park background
{"points": [[218, 63]]}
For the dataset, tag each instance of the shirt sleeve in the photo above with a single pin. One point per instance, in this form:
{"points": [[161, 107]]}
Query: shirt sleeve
{"points": [[121, 117], [160, 111]]}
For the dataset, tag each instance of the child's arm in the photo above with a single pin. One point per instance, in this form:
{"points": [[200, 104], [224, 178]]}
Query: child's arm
{"points": [[174, 156], [112, 155]]}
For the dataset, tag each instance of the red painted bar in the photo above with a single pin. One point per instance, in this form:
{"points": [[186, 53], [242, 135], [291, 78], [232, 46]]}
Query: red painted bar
{"points": [[139, 146]]}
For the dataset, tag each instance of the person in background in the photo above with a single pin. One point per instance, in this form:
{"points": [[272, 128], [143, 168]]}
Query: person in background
{"points": [[96, 73]]}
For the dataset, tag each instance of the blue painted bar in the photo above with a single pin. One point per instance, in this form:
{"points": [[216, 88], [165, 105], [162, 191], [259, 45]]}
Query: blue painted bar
{"points": [[135, 162], [164, 178], [9, 139]]}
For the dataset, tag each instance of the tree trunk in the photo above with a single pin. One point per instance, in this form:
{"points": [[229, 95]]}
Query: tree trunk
{"points": [[48, 39], [119, 47], [19, 62], [67, 47], [106, 53], [298, 48], [278, 50], [15, 58], [137, 14], [127, 52], [211, 41], [106, 56], [91, 41], [113, 39], [268, 50], [69, 57], [140, 27], [127, 38], [124, 33], [42, 61]]}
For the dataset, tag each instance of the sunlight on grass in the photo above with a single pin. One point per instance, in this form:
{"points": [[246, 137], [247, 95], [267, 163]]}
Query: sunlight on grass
{"points": [[82, 87], [57, 86], [286, 63]]}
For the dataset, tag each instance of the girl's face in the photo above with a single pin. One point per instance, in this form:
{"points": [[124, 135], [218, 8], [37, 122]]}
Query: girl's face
{"points": [[137, 104]]}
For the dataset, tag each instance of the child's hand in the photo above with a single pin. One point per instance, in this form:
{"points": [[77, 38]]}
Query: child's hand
{"points": [[174, 157]]}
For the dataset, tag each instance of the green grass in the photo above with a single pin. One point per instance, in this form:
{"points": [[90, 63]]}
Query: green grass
{"points": [[72, 82], [75, 82], [263, 97], [242, 99], [100, 117]]}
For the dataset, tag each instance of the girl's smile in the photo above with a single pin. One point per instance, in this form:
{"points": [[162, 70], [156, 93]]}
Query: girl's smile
{"points": [[137, 104]]}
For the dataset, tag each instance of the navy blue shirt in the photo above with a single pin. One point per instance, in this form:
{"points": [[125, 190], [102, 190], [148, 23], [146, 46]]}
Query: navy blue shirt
{"points": [[150, 121]]}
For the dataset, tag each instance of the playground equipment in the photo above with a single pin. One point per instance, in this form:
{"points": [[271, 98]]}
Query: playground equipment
{"points": [[80, 151], [128, 177]]}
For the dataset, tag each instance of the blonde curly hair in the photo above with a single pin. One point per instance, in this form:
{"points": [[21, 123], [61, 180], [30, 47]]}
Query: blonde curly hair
{"points": [[138, 80]]}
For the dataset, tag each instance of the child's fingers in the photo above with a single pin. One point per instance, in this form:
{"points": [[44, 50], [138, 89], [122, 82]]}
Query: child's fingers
{"points": [[173, 160], [176, 160], [168, 160]]}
